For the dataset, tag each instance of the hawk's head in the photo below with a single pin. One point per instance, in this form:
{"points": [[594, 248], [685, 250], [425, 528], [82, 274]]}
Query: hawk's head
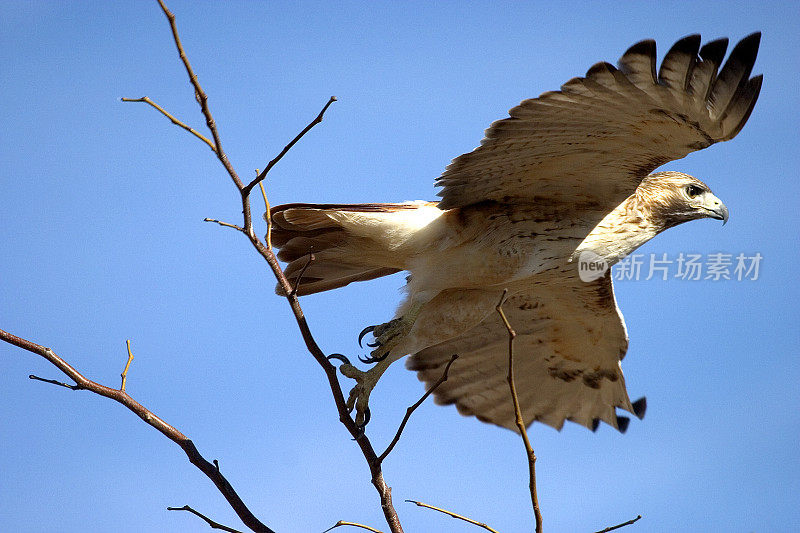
{"points": [[672, 198]]}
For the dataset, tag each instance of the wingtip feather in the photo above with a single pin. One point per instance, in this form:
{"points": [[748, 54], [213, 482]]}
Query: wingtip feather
{"points": [[645, 47], [714, 51], [640, 407], [638, 63]]}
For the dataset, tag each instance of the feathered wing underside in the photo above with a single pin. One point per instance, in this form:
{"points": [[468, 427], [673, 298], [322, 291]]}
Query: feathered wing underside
{"points": [[593, 141], [570, 340]]}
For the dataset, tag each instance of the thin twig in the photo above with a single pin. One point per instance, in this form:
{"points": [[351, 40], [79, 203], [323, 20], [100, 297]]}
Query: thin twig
{"points": [[454, 515], [172, 119], [124, 374], [413, 408], [518, 415], [302, 272], [612, 528], [354, 524], [54, 382], [120, 396], [212, 524], [288, 147], [234, 226], [267, 214]]}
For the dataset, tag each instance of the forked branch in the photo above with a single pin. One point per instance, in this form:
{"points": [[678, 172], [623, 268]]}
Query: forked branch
{"points": [[172, 119], [267, 254], [519, 421], [211, 523], [120, 396]]}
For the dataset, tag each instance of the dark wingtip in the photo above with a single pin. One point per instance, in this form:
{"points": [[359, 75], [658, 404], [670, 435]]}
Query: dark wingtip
{"points": [[622, 423], [640, 407], [751, 42], [746, 51], [689, 44], [645, 47], [629, 63], [600, 68], [714, 51], [753, 86]]}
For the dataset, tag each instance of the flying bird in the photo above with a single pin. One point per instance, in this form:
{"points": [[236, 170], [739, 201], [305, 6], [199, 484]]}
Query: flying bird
{"points": [[566, 174]]}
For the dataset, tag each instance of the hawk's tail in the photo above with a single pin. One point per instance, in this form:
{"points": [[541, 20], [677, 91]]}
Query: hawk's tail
{"points": [[349, 242]]}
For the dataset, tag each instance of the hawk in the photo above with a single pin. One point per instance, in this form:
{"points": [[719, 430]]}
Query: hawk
{"points": [[567, 173]]}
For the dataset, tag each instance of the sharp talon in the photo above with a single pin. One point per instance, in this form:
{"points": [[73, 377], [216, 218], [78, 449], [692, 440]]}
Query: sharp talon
{"points": [[374, 344], [369, 359], [339, 357], [363, 334], [361, 426], [379, 359]]}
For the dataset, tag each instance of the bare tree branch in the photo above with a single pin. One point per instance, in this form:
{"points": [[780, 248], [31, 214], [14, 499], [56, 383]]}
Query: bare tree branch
{"points": [[302, 272], [518, 414], [288, 147], [413, 408], [354, 524], [124, 374], [212, 524], [225, 224], [267, 213], [454, 515], [172, 119], [201, 96], [54, 382], [612, 528], [120, 396], [384, 491]]}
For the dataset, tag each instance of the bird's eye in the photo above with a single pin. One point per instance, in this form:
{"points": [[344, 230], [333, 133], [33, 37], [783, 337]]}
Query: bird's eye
{"points": [[693, 190]]}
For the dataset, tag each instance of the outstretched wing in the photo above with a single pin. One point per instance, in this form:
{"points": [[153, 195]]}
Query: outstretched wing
{"points": [[593, 141], [570, 340]]}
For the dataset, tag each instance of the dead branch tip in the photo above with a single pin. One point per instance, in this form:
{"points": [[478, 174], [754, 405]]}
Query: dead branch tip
{"points": [[353, 524], [211, 523], [618, 526], [453, 515]]}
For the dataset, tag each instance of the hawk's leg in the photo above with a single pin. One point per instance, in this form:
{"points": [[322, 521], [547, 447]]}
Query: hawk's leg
{"points": [[389, 335], [365, 382]]}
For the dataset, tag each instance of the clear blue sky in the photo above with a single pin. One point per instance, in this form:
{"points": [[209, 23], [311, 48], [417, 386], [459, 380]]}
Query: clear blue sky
{"points": [[103, 240]]}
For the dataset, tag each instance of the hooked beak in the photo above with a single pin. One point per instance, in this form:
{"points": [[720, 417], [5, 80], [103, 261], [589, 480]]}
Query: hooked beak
{"points": [[715, 208]]}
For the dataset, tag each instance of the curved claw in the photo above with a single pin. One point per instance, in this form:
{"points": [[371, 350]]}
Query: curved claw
{"points": [[374, 344], [369, 359], [363, 333], [367, 417], [339, 357]]}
